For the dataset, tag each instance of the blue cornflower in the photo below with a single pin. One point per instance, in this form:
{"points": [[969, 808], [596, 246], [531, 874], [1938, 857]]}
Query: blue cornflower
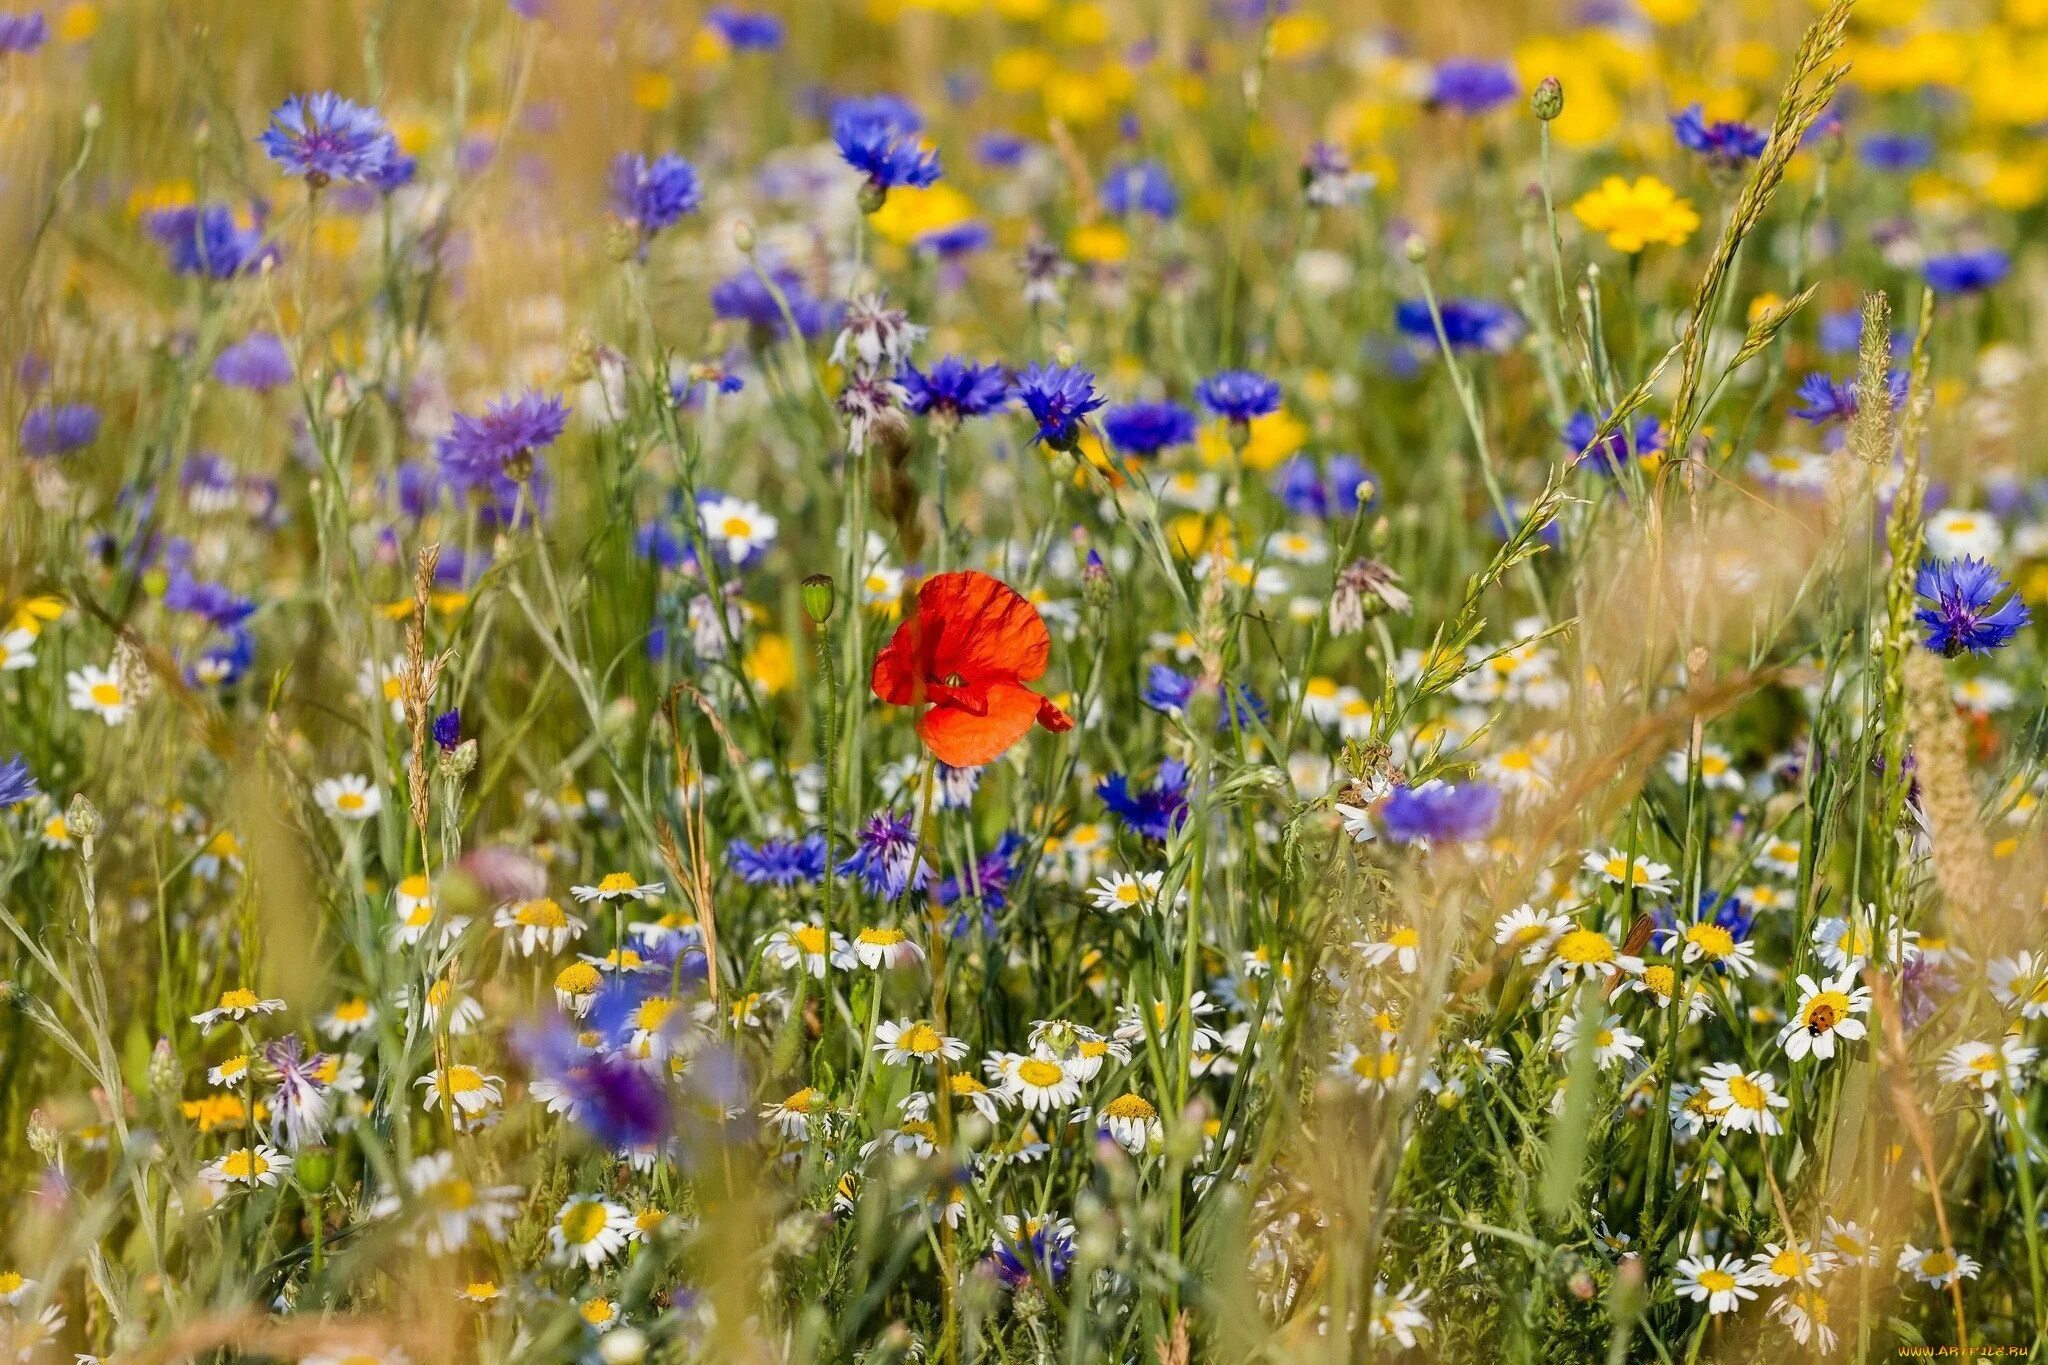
{"points": [[949, 244], [258, 361], [223, 664], [480, 449], [1238, 395], [1473, 86], [745, 297], [1037, 1246], [324, 138], [1145, 429], [209, 240], [1726, 141], [1152, 812], [23, 32], [621, 1102], [778, 862], [448, 729], [955, 388], [653, 194], [1613, 454], [883, 853], [59, 428], [214, 603], [1966, 272], [746, 30], [1960, 617], [989, 885], [17, 783], [1002, 151], [1896, 151], [1058, 397], [1840, 333], [1307, 491], [1823, 398], [1469, 324], [1139, 187], [877, 136], [1440, 812], [1170, 692]]}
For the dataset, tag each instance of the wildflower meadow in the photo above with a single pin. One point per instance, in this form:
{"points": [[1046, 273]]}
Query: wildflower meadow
{"points": [[1134, 681]]}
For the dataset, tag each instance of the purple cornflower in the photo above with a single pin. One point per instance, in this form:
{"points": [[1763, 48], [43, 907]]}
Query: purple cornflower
{"points": [[1960, 617], [23, 32], [17, 783], [1306, 491], [1145, 429], [1041, 1245], [877, 136], [883, 853], [448, 729], [778, 862], [59, 428], [1965, 272], [955, 388], [1152, 812], [511, 430], [214, 603], [616, 1099], [746, 30], [323, 138], [258, 361], [1058, 397], [298, 1107], [1469, 324], [1440, 812], [1727, 142], [1002, 151], [1238, 395], [208, 240], [653, 194], [1170, 692], [1139, 187], [1823, 398], [1896, 152], [1472, 86], [989, 884], [1644, 438], [744, 297]]}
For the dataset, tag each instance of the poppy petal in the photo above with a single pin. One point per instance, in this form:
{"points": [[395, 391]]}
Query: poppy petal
{"points": [[1052, 718], [961, 739], [982, 628]]}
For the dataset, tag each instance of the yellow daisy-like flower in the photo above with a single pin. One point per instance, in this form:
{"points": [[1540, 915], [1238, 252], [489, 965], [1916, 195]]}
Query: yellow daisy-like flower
{"points": [[1633, 216]]}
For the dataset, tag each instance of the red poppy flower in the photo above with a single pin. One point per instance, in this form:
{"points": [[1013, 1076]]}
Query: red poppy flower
{"points": [[965, 657]]}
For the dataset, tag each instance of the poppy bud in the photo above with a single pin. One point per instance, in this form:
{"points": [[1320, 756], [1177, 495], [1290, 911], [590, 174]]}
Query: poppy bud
{"points": [[314, 1167], [820, 597], [1547, 101], [872, 196]]}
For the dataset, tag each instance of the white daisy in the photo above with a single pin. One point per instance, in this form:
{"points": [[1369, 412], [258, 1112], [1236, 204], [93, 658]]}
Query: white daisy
{"points": [[590, 1229], [1720, 1283], [1936, 1267], [100, 691], [738, 527], [537, 926], [907, 1040], [618, 886], [1743, 1100], [1825, 1011], [348, 797], [882, 947], [1040, 1084]]}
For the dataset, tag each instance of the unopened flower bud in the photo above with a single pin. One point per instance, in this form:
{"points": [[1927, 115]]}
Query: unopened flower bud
{"points": [[1415, 249], [1547, 100], [743, 238], [166, 1075], [313, 1168], [82, 818], [820, 596], [42, 1136], [873, 196]]}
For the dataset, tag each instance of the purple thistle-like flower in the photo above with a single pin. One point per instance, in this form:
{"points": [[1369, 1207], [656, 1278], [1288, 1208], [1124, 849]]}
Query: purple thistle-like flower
{"points": [[1152, 812], [323, 138], [1728, 141], [208, 240], [298, 1107], [258, 361], [654, 194], [877, 136], [480, 449], [1472, 86], [778, 862], [617, 1100], [59, 428], [1959, 617], [1239, 395], [883, 854], [1440, 812], [23, 32], [1145, 429], [955, 388], [1966, 272], [1139, 187], [17, 783], [1058, 397]]}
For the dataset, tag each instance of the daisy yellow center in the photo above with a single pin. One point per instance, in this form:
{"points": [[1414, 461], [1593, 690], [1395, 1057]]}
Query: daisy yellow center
{"points": [[413, 887], [919, 1038], [614, 882], [1791, 1263], [244, 1164], [582, 1222], [1825, 1010], [1322, 687], [1660, 979], [541, 914], [597, 1312], [106, 694], [1516, 760], [1746, 1092], [881, 938], [1040, 1074], [800, 1102], [455, 1195], [736, 526], [1935, 1264], [10, 1281], [1604, 1038], [810, 938], [1719, 1281], [1134, 1107], [578, 978], [481, 1289], [1584, 947], [464, 1080], [1127, 894], [1403, 937], [1093, 1047], [1984, 1063], [350, 800], [238, 999], [654, 1012], [420, 916], [1711, 939]]}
